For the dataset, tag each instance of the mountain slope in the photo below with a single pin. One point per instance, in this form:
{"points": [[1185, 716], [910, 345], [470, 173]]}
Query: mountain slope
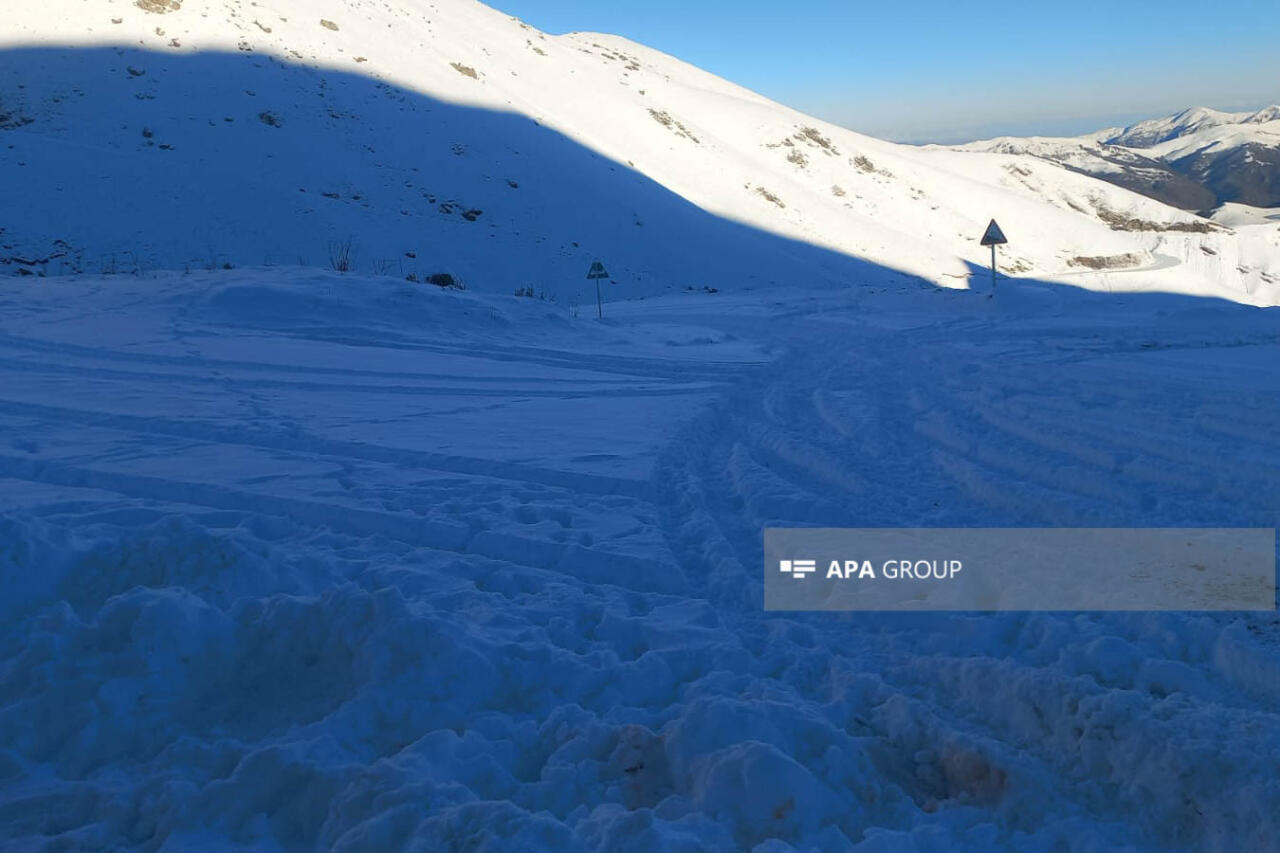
{"points": [[1239, 162], [1198, 159], [1151, 132], [1134, 170], [449, 137]]}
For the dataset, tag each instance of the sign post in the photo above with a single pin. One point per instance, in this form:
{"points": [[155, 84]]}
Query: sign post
{"points": [[993, 237], [596, 273]]}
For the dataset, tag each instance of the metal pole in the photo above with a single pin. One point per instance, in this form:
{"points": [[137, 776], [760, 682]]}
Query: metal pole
{"points": [[993, 267], [599, 304]]}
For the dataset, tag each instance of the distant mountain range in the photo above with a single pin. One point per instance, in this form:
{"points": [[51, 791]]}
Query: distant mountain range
{"points": [[1197, 160]]}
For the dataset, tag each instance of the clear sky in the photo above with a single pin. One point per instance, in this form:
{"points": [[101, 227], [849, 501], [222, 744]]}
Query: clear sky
{"points": [[944, 71]]}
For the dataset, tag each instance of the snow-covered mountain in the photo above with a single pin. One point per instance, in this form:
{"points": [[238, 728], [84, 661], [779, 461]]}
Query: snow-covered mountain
{"points": [[1238, 162], [1132, 169], [1197, 159], [448, 137], [1151, 132]]}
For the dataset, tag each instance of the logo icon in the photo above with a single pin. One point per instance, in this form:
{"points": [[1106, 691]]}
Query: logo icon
{"points": [[797, 568]]}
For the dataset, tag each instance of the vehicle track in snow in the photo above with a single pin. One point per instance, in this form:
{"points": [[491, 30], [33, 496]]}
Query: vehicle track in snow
{"points": [[963, 424], [553, 600]]}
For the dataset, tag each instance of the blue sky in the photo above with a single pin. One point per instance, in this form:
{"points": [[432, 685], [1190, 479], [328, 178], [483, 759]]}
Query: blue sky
{"points": [[932, 70]]}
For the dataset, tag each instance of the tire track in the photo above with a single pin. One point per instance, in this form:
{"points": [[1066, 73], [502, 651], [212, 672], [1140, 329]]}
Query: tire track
{"points": [[294, 443], [584, 564]]}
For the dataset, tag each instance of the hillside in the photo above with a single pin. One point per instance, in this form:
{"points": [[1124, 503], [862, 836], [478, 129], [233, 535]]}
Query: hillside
{"points": [[1134, 170], [1145, 134], [1198, 159], [446, 137], [1239, 162]]}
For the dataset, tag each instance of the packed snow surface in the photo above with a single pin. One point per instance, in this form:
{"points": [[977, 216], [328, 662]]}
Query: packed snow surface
{"points": [[302, 561]]}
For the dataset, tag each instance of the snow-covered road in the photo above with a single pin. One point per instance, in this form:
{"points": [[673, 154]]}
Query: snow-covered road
{"points": [[295, 561]]}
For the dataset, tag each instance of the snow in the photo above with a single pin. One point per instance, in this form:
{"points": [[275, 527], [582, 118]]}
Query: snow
{"points": [[1152, 132], [300, 559], [1264, 115], [1220, 138], [1077, 152], [1246, 254], [433, 133], [1236, 215]]}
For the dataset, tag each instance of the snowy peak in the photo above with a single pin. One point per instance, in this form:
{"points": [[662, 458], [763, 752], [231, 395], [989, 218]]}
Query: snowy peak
{"points": [[1154, 131], [1262, 116], [1197, 160], [1134, 169]]}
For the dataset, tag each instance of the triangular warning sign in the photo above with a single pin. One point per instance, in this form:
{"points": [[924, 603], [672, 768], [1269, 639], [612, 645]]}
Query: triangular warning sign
{"points": [[994, 236], [597, 271]]}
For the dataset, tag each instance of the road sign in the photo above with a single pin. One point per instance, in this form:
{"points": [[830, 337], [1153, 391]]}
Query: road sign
{"points": [[598, 272], [994, 236]]}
